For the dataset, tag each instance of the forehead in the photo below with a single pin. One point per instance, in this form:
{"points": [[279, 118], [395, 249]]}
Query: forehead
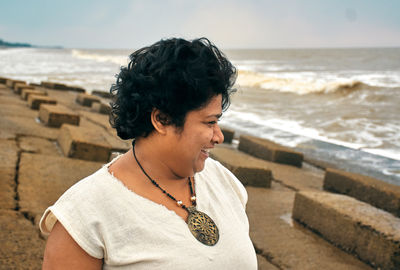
{"points": [[213, 107]]}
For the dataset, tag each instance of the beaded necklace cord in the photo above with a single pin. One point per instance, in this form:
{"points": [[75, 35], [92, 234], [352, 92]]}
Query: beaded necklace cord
{"points": [[178, 202], [200, 224]]}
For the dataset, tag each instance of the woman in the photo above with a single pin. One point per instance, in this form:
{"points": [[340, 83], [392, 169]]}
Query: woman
{"points": [[164, 204]]}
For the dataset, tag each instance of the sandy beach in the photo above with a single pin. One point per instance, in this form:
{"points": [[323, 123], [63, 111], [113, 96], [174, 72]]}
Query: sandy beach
{"points": [[297, 218]]}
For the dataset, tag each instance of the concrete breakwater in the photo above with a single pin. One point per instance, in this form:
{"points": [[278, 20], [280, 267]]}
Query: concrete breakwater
{"points": [[297, 219]]}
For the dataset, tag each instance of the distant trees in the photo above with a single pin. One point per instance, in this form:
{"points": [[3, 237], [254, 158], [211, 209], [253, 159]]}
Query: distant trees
{"points": [[13, 44]]}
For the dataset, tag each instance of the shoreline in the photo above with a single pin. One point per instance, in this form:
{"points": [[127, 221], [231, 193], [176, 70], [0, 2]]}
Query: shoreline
{"points": [[32, 178]]}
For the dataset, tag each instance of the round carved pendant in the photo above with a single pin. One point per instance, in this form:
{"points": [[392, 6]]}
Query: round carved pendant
{"points": [[202, 227]]}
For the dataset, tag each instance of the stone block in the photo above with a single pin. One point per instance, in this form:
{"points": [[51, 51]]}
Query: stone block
{"points": [[39, 146], [84, 143], [61, 86], [270, 151], [102, 94], [86, 99], [287, 244], [248, 172], [56, 115], [263, 264], [44, 178], [101, 107], [21, 246], [8, 165], [34, 101], [10, 83], [101, 122], [3, 80], [71, 88], [371, 234], [35, 84], [53, 85], [25, 92], [370, 190], [289, 176], [12, 126], [19, 86], [228, 135]]}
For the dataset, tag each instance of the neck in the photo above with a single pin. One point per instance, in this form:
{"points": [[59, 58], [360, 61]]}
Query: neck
{"points": [[151, 154]]}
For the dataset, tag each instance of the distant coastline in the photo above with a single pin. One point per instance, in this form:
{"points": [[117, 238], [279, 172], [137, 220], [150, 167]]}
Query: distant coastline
{"points": [[6, 44]]}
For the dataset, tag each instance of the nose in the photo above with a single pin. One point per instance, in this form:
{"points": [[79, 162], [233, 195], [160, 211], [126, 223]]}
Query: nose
{"points": [[218, 137]]}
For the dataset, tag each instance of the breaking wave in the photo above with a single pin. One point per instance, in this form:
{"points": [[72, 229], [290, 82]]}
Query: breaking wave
{"points": [[100, 57], [300, 85]]}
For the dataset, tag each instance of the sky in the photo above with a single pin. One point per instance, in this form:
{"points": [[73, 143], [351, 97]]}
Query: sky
{"points": [[230, 24]]}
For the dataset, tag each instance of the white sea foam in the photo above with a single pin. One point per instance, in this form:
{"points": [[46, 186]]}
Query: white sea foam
{"points": [[302, 82], [301, 133], [116, 59], [247, 122], [383, 152], [299, 83]]}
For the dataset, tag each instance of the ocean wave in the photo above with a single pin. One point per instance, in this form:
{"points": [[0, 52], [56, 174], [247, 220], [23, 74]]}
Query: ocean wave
{"points": [[116, 59], [292, 133], [297, 84]]}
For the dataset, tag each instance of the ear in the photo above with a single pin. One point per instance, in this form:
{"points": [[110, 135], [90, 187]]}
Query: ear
{"points": [[159, 121]]}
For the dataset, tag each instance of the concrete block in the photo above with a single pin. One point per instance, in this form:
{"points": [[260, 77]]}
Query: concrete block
{"points": [[371, 234], [270, 151], [34, 101], [8, 164], [370, 190], [98, 121], [21, 246], [84, 143], [39, 146], [12, 126], [289, 176], [228, 135], [102, 94], [3, 80], [71, 88], [52, 85], [263, 264], [19, 86], [25, 92], [248, 172], [101, 107], [10, 83], [44, 178], [56, 115], [287, 244], [86, 99], [63, 87], [35, 84]]}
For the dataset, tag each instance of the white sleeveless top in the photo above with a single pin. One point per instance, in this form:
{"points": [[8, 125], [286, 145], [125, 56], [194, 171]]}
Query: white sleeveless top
{"points": [[128, 231]]}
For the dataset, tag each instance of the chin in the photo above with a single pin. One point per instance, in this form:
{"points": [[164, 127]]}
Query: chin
{"points": [[199, 167]]}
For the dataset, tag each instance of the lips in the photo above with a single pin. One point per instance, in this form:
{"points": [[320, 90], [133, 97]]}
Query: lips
{"points": [[206, 152]]}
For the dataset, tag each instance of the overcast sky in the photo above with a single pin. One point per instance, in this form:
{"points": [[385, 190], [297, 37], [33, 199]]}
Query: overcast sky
{"points": [[229, 24]]}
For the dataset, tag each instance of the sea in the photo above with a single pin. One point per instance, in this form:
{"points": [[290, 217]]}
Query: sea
{"points": [[340, 106]]}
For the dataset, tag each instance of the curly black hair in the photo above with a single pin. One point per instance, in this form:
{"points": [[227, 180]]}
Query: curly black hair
{"points": [[174, 76]]}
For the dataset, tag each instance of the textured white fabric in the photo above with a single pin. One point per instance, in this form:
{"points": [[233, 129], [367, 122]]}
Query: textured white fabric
{"points": [[131, 232]]}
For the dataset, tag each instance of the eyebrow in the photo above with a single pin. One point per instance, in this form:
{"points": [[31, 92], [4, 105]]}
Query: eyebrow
{"points": [[215, 115]]}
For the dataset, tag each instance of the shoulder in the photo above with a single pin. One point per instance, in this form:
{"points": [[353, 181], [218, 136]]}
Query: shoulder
{"points": [[87, 187], [79, 210]]}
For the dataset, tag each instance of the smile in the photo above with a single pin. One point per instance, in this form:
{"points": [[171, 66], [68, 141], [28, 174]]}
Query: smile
{"points": [[206, 152]]}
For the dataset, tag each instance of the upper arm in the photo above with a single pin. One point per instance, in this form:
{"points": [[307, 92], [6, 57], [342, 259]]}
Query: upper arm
{"points": [[62, 252]]}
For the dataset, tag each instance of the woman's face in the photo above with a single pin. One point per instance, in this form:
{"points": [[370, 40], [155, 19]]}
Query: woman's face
{"points": [[190, 146]]}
